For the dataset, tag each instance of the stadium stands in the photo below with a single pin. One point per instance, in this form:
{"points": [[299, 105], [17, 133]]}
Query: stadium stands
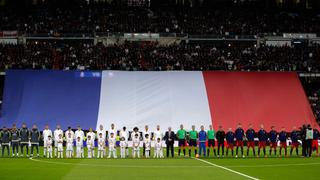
{"points": [[152, 56], [240, 20]]}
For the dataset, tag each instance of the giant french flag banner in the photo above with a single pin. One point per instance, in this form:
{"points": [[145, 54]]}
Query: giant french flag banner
{"points": [[93, 98]]}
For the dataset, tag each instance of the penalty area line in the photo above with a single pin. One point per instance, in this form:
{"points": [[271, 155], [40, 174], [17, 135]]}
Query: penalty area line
{"points": [[227, 169]]}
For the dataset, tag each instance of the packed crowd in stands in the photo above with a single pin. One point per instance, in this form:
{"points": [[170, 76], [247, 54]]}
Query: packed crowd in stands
{"points": [[152, 56], [107, 18], [315, 104]]}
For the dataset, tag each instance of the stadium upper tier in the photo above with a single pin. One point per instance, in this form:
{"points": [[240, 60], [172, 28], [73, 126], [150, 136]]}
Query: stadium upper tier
{"points": [[152, 56], [219, 21]]}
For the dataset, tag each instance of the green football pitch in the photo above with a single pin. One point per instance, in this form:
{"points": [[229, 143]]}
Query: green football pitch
{"points": [[177, 168]]}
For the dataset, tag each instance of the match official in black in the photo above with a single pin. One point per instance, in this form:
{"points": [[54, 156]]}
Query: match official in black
{"points": [[220, 135], [169, 138]]}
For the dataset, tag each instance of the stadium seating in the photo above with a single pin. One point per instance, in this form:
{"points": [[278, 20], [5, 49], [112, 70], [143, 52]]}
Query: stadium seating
{"points": [[240, 20], [132, 56]]}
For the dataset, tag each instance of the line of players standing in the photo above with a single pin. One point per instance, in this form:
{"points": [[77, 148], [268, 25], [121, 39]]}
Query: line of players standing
{"points": [[307, 136], [53, 142], [206, 141]]}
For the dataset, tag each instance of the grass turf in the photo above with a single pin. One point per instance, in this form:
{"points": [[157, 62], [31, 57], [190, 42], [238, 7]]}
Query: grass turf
{"points": [[177, 168]]}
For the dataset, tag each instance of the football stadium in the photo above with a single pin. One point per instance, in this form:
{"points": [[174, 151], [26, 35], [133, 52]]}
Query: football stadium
{"points": [[159, 89]]}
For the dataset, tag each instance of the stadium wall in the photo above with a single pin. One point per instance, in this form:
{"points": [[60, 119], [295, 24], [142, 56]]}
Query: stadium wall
{"points": [[91, 98]]}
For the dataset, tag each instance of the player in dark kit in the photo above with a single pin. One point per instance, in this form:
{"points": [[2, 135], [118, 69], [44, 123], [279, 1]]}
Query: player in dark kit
{"points": [[15, 138], [303, 140], [5, 137], [34, 139], [230, 140], [273, 140], [262, 136], [283, 141], [294, 141], [250, 133], [220, 138], [239, 134], [24, 139], [315, 143]]}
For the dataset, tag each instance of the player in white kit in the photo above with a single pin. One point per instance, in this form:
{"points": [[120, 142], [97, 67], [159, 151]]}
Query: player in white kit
{"points": [[156, 135], [69, 151], [93, 137], [136, 146], [147, 143], [56, 135], [69, 131], [112, 146], [145, 132], [112, 130], [125, 135], [49, 147], [46, 133], [101, 146], [103, 132], [136, 132], [80, 134], [158, 149], [60, 146], [79, 148], [90, 147], [123, 147]]}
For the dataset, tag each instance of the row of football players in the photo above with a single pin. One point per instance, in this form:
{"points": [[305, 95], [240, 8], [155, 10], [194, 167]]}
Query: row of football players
{"points": [[53, 141], [112, 150], [307, 136], [101, 137], [24, 136]]}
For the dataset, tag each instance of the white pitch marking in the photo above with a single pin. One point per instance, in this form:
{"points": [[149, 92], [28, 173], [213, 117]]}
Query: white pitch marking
{"points": [[116, 166], [222, 167], [227, 169]]}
